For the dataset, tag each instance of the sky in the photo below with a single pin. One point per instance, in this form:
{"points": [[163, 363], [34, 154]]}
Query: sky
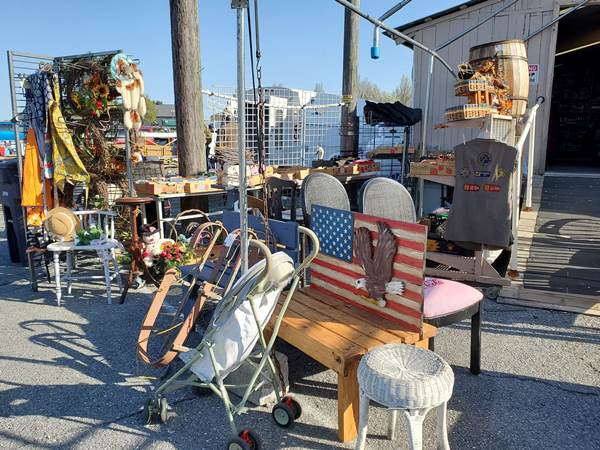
{"points": [[301, 41]]}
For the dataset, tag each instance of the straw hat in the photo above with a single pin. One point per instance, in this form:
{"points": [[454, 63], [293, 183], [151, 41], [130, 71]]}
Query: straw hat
{"points": [[62, 223]]}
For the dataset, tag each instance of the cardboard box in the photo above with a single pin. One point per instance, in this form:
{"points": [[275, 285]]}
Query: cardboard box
{"points": [[158, 187], [433, 167], [191, 187]]}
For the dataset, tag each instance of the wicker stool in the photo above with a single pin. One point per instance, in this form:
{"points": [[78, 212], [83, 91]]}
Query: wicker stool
{"points": [[407, 378]]}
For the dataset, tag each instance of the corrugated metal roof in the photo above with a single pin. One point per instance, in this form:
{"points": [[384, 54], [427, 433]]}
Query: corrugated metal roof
{"points": [[437, 15]]}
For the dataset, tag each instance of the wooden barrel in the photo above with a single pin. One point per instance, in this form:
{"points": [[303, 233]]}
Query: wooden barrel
{"points": [[512, 67]]}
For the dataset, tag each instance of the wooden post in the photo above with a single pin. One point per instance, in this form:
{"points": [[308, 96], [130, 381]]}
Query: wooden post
{"points": [[349, 119], [185, 43]]}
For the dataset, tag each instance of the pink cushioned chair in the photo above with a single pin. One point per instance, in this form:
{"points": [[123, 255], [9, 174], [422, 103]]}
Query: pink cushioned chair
{"points": [[446, 302]]}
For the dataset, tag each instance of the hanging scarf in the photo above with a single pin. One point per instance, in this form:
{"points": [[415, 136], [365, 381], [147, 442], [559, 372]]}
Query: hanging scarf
{"points": [[32, 196], [38, 96], [68, 167]]}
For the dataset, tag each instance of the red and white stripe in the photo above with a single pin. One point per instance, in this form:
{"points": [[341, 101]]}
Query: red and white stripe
{"points": [[337, 278]]}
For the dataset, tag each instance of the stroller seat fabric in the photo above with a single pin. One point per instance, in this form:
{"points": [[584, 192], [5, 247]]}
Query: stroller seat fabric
{"points": [[233, 330]]}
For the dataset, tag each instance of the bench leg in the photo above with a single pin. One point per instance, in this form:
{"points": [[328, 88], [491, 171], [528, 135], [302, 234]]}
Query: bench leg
{"points": [[348, 402], [423, 344]]}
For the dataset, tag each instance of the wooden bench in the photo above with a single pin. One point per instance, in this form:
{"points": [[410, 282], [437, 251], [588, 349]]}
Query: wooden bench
{"points": [[337, 335]]}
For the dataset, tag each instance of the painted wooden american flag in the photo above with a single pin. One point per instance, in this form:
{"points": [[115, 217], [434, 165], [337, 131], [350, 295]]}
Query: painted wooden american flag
{"points": [[337, 277]]}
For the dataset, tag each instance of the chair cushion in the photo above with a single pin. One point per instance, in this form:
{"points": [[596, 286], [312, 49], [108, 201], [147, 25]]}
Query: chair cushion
{"points": [[443, 297]]}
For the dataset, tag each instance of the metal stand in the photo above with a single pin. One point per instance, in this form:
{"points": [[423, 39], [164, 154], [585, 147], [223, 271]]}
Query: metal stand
{"points": [[240, 6]]}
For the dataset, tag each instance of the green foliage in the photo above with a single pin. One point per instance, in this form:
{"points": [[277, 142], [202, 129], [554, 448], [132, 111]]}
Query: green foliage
{"points": [[370, 91], [84, 237], [98, 202], [150, 117]]}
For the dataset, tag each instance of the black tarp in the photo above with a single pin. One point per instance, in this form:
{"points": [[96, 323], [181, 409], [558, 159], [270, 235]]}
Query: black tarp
{"points": [[391, 114]]}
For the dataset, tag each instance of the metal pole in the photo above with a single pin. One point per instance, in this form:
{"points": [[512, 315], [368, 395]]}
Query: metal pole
{"points": [[404, 153], [556, 19], [421, 182], [426, 106], [241, 101], [128, 163], [389, 13], [516, 189], [396, 33], [530, 162]]}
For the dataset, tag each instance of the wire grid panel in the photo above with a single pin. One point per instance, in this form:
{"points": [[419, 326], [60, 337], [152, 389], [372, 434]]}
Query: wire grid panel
{"points": [[297, 124], [20, 66]]}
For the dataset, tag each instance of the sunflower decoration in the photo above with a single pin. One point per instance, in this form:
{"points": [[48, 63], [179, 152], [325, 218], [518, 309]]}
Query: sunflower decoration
{"points": [[92, 96]]}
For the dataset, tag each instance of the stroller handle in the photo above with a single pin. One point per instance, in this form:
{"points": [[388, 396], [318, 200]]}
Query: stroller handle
{"points": [[314, 247], [268, 258]]}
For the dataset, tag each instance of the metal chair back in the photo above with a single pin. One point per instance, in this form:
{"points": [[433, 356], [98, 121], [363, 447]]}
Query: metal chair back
{"points": [[383, 197], [281, 196], [324, 190], [104, 220]]}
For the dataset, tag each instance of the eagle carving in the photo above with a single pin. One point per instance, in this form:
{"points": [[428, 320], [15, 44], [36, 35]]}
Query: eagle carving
{"points": [[377, 261]]}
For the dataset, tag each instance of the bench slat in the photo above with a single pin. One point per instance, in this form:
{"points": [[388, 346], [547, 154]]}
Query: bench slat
{"points": [[309, 337], [362, 316], [353, 325], [335, 325]]}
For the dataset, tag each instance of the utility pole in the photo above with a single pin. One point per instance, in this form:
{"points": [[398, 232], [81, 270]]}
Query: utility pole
{"points": [[185, 43], [349, 119]]}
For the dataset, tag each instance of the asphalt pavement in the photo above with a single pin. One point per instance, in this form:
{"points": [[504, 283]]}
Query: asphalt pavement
{"points": [[69, 379]]}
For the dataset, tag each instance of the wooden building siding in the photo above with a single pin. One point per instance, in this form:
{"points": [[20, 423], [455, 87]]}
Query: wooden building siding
{"points": [[517, 22]]}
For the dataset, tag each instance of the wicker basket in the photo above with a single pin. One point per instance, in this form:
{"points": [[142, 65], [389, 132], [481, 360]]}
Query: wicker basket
{"points": [[466, 87], [468, 111]]}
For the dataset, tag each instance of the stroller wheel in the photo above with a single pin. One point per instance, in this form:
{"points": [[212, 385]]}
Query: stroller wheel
{"points": [[153, 411], [250, 438], [237, 443], [164, 409], [291, 401], [149, 412], [283, 414]]}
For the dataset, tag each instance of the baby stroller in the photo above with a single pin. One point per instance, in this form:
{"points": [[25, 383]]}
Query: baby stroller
{"points": [[236, 326], [199, 283]]}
